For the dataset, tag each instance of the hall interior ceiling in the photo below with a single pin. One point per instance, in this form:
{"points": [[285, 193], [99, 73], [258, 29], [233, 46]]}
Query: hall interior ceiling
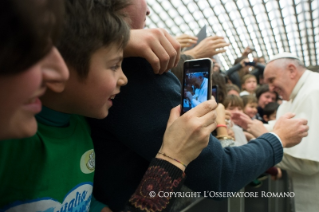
{"points": [[269, 26]]}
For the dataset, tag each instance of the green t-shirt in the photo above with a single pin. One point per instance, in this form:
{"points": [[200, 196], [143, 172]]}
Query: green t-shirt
{"points": [[49, 172]]}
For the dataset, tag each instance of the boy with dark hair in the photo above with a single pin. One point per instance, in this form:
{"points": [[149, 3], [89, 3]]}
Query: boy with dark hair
{"points": [[270, 111], [58, 163]]}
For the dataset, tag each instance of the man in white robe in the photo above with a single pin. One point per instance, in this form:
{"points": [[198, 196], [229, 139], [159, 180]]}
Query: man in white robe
{"points": [[286, 74], [200, 88]]}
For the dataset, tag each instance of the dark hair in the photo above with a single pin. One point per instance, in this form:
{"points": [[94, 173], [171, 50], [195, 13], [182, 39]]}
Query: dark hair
{"points": [[263, 89], [219, 80], [28, 29], [270, 108], [233, 100], [249, 99], [89, 26]]}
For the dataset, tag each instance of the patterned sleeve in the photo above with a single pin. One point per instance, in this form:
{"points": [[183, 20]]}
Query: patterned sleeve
{"points": [[152, 194]]}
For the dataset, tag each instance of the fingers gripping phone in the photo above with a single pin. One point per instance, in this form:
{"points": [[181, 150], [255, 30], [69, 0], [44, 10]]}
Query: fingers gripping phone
{"points": [[196, 86]]}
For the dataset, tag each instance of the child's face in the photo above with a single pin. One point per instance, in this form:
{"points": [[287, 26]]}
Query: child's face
{"points": [[250, 84], [20, 95], [251, 109], [234, 108], [92, 96], [265, 98]]}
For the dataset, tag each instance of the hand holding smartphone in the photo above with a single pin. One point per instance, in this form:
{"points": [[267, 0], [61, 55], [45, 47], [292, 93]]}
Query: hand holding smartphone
{"points": [[196, 87]]}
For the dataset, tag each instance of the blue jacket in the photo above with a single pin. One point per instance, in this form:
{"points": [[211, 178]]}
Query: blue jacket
{"points": [[127, 140]]}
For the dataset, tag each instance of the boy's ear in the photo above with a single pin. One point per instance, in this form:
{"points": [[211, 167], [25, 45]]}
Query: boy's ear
{"points": [[265, 118], [56, 87]]}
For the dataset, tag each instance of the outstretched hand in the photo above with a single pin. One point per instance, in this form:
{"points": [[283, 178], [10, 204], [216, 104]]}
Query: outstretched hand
{"points": [[208, 47], [186, 40], [158, 47], [241, 119], [290, 130]]}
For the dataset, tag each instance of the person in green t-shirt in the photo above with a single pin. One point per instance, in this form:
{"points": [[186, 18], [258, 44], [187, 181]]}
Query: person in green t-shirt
{"points": [[54, 169]]}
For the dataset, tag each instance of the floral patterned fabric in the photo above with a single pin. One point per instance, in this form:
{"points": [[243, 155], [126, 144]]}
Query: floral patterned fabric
{"points": [[152, 194]]}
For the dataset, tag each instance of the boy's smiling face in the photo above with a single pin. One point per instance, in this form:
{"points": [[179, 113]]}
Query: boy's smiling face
{"points": [[92, 96]]}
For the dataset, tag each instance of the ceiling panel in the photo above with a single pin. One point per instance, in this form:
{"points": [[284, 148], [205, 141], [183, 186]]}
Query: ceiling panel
{"points": [[270, 26]]}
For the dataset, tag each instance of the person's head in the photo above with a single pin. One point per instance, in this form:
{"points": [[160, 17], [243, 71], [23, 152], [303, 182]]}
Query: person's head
{"points": [[264, 95], [261, 60], [249, 83], [250, 105], [196, 79], [216, 66], [232, 89], [282, 74], [233, 103], [91, 44], [219, 80], [270, 111], [137, 12], [29, 62]]}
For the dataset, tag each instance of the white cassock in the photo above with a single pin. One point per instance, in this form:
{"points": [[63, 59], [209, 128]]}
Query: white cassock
{"points": [[200, 93], [302, 160]]}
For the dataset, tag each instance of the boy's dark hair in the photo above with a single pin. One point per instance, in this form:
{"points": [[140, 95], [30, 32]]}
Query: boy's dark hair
{"points": [[270, 108], [249, 99], [89, 26], [234, 101], [28, 29]]}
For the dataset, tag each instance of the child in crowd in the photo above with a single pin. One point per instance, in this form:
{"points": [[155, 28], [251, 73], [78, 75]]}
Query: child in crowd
{"points": [[250, 105], [233, 103], [58, 163], [232, 89], [270, 111], [249, 85], [264, 96], [28, 61]]}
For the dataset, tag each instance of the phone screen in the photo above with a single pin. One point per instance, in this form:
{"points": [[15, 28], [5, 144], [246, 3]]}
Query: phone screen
{"points": [[196, 84]]}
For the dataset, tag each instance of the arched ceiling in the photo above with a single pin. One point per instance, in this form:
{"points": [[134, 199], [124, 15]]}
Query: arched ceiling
{"points": [[270, 26]]}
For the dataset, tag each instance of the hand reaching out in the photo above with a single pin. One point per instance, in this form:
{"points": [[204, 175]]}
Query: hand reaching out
{"points": [[158, 47], [290, 130], [186, 40], [209, 47]]}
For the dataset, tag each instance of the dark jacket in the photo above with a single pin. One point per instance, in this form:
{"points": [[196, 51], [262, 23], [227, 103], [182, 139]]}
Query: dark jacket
{"points": [[127, 140]]}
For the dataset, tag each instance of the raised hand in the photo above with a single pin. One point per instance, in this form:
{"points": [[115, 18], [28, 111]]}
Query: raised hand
{"points": [[209, 47], [186, 40], [290, 130], [158, 47]]}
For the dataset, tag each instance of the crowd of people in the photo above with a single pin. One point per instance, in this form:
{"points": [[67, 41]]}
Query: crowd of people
{"points": [[90, 119]]}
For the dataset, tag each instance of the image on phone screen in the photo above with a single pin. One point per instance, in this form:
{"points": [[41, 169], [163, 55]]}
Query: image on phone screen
{"points": [[195, 87]]}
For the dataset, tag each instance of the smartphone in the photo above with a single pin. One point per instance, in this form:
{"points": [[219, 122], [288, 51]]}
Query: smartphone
{"points": [[196, 86], [250, 63], [215, 92]]}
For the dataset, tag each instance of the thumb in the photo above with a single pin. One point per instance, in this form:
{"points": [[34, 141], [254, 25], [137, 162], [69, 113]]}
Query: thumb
{"points": [[175, 114], [289, 115]]}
